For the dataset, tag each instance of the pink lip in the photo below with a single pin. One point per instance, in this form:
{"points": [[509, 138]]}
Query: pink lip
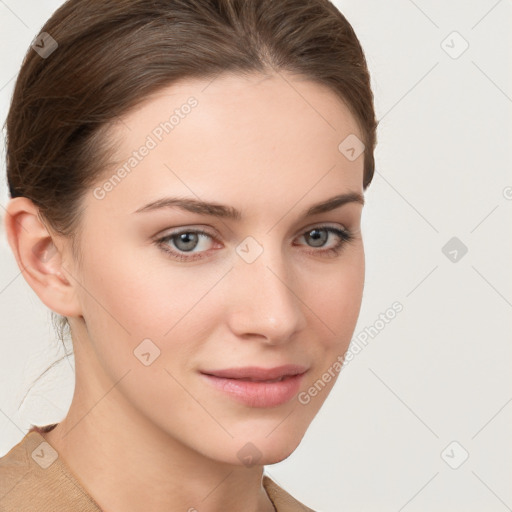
{"points": [[258, 392]]}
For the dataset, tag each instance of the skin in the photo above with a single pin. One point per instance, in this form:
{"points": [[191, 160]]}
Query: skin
{"points": [[158, 437]]}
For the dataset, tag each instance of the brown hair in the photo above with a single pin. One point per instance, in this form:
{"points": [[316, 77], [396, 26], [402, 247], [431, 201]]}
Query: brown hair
{"points": [[113, 55]]}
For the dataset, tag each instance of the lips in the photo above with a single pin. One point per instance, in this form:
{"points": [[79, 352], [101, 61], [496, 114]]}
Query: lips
{"points": [[257, 374], [258, 387]]}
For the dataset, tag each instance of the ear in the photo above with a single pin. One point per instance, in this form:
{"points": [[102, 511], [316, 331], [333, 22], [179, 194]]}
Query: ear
{"points": [[39, 257]]}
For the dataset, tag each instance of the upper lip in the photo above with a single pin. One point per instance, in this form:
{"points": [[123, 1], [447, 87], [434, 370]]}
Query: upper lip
{"points": [[258, 373]]}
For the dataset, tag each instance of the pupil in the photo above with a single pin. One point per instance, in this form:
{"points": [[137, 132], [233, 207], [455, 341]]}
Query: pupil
{"points": [[187, 238], [319, 240]]}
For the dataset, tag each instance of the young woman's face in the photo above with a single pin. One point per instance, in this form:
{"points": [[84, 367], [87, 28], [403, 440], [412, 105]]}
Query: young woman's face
{"points": [[163, 305]]}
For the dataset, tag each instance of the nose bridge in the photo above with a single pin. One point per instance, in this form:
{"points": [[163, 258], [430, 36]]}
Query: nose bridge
{"points": [[264, 301]]}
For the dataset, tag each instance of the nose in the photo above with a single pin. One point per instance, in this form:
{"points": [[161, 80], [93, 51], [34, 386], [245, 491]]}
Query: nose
{"points": [[265, 301]]}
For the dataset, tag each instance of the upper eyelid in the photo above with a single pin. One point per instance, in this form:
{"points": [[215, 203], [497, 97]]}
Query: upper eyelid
{"points": [[345, 235], [192, 228], [203, 231]]}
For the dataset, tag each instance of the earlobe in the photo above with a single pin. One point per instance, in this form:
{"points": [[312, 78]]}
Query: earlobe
{"points": [[38, 257]]}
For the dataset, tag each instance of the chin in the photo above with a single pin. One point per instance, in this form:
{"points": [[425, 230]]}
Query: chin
{"points": [[280, 448], [274, 458], [258, 449]]}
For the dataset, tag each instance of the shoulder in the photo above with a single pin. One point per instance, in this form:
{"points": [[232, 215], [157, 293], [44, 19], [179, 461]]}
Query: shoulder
{"points": [[33, 478], [283, 501]]}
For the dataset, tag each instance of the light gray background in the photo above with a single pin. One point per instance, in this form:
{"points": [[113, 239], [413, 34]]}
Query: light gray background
{"points": [[440, 371]]}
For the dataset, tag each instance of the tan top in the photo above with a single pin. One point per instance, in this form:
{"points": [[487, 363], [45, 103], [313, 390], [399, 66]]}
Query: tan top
{"points": [[33, 478]]}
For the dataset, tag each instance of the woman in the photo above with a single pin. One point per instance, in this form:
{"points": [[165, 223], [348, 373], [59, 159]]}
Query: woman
{"points": [[187, 185]]}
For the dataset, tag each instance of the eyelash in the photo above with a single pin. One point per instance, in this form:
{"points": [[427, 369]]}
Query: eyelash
{"points": [[344, 235]]}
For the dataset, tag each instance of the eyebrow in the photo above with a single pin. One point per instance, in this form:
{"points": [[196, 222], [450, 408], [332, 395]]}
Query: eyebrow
{"points": [[228, 212]]}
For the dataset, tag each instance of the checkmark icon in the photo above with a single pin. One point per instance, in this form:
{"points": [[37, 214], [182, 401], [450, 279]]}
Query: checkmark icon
{"points": [[454, 44], [44, 45], [44, 455], [455, 455], [249, 249], [454, 249], [249, 455], [146, 351], [351, 147]]}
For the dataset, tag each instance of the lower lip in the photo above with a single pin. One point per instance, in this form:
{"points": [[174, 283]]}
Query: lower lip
{"points": [[258, 394]]}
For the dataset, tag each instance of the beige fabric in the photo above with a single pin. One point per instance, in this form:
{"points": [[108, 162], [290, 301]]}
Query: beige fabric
{"points": [[27, 486]]}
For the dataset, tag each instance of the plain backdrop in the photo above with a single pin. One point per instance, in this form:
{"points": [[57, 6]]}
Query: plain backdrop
{"points": [[420, 419]]}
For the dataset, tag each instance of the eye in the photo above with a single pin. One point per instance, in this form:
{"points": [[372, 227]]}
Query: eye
{"points": [[319, 234], [186, 241]]}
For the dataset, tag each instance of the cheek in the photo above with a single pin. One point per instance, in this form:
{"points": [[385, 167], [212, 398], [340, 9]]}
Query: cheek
{"points": [[337, 305], [144, 294], [127, 301], [335, 297]]}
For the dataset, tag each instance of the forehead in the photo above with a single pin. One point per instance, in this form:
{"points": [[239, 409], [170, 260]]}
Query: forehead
{"points": [[219, 136], [253, 101]]}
